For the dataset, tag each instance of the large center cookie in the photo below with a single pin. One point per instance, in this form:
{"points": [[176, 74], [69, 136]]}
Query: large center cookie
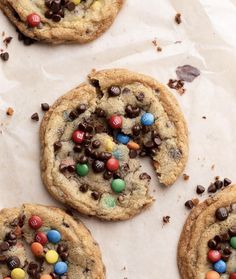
{"points": [[46, 243], [94, 136], [207, 246], [58, 21]]}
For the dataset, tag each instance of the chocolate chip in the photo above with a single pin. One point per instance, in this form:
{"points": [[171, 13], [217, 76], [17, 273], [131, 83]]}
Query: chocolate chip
{"points": [[144, 176], [157, 141], [131, 111], [88, 151], [83, 159], [73, 115], [95, 83], [136, 129], [224, 237], [212, 188], [232, 231], [56, 17], [126, 90], [4, 56], [100, 112], [3, 259], [83, 188], [70, 6], [95, 195], [4, 246], [189, 204], [62, 247], [82, 127], [217, 238], [13, 262], [175, 153], [133, 154], [221, 214], [227, 251], [104, 156], [200, 189], [64, 256], [227, 182], [178, 19], [35, 116], [114, 91], [212, 244], [81, 108], [45, 107], [77, 148], [140, 96], [98, 166], [57, 145], [96, 144], [218, 184], [149, 144], [107, 175], [71, 168], [48, 14], [89, 129], [55, 6]]}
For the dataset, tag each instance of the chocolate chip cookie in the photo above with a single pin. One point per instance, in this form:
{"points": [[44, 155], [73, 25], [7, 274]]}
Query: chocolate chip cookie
{"points": [[207, 246], [44, 242], [93, 138], [59, 21]]}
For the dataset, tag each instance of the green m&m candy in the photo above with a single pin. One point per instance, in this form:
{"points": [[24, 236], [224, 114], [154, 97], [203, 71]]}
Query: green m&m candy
{"points": [[118, 185], [82, 169], [233, 242]]}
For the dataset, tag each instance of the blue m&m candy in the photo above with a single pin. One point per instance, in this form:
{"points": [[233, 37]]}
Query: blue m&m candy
{"points": [[60, 268], [220, 266], [54, 236], [147, 119], [122, 138]]}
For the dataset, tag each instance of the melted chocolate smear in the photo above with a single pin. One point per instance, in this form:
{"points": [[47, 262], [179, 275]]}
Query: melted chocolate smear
{"points": [[187, 73]]}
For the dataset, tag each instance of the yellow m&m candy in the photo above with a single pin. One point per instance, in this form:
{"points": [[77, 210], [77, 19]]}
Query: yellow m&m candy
{"points": [[18, 273], [97, 5], [52, 256], [76, 2]]}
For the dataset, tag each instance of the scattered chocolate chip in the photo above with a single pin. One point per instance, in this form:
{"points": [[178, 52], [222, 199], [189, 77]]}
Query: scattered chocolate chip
{"points": [[221, 214], [185, 176], [35, 116], [62, 247], [187, 73], [13, 262], [114, 91], [70, 6], [227, 182], [212, 188], [4, 56], [98, 166], [81, 108], [64, 256], [89, 129], [45, 107], [7, 41], [218, 184], [144, 176], [200, 189], [178, 85], [57, 145], [142, 153], [178, 19], [95, 195], [166, 219], [83, 188], [225, 258], [82, 127], [189, 204], [133, 153]]}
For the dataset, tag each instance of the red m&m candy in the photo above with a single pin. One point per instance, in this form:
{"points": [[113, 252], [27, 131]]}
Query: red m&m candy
{"points": [[35, 222], [232, 275], [33, 20], [41, 238], [115, 121], [112, 164], [78, 136], [214, 256]]}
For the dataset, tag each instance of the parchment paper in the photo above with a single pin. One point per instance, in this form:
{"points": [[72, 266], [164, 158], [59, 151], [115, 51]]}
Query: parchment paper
{"points": [[140, 248]]}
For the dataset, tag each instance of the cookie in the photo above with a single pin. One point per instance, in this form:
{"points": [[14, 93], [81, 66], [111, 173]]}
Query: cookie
{"points": [[44, 242], [59, 21], [92, 139], [207, 245]]}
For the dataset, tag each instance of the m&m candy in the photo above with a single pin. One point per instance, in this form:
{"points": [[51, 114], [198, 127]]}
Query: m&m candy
{"points": [[220, 266], [37, 249], [122, 138], [33, 20], [212, 275], [82, 169], [78, 136], [232, 275], [45, 276], [233, 242], [118, 185], [41, 238], [53, 236], [214, 256], [51, 256], [17, 273], [112, 164], [60, 268], [115, 121], [147, 119], [35, 222]]}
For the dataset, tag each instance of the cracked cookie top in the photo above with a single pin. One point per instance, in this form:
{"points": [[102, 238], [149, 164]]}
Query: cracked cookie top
{"points": [[94, 136], [58, 21], [45, 243]]}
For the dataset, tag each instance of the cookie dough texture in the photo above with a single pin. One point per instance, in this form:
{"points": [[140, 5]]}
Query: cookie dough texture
{"points": [[84, 255], [87, 22], [168, 163], [200, 227]]}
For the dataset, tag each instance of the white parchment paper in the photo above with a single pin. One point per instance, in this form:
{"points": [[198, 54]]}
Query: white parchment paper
{"points": [[140, 248]]}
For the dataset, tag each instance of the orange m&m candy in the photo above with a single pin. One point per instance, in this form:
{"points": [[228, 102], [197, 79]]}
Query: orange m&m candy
{"points": [[37, 249], [212, 275], [45, 276]]}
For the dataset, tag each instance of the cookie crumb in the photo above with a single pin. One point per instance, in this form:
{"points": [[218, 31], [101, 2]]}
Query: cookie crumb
{"points": [[7, 41], [166, 219], [195, 201], [35, 116], [154, 42], [10, 111], [178, 85], [213, 167], [159, 48], [178, 19], [185, 177]]}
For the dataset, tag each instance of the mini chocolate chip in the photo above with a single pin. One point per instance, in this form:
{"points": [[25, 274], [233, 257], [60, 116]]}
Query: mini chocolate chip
{"points": [[227, 251], [81, 108], [212, 244], [95, 83], [45, 107], [133, 154], [200, 189], [82, 127], [95, 195], [83, 159], [136, 129], [157, 141], [57, 145], [77, 148], [107, 175], [4, 246], [140, 96], [73, 115], [5, 56], [70, 6], [218, 184], [56, 17], [104, 156], [144, 176], [217, 239], [232, 231], [189, 204], [224, 237], [64, 256], [212, 188], [227, 182], [114, 91], [98, 166], [62, 247], [89, 129], [221, 214], [100, 112], [83, 188], [48, 14], [13, 262], [96, 144], [35, 116]]}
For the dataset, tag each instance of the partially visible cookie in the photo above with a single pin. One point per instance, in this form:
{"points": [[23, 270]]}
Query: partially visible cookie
{"points": [[44, 242], [59, 21], [207, 246], [93, 137]]}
